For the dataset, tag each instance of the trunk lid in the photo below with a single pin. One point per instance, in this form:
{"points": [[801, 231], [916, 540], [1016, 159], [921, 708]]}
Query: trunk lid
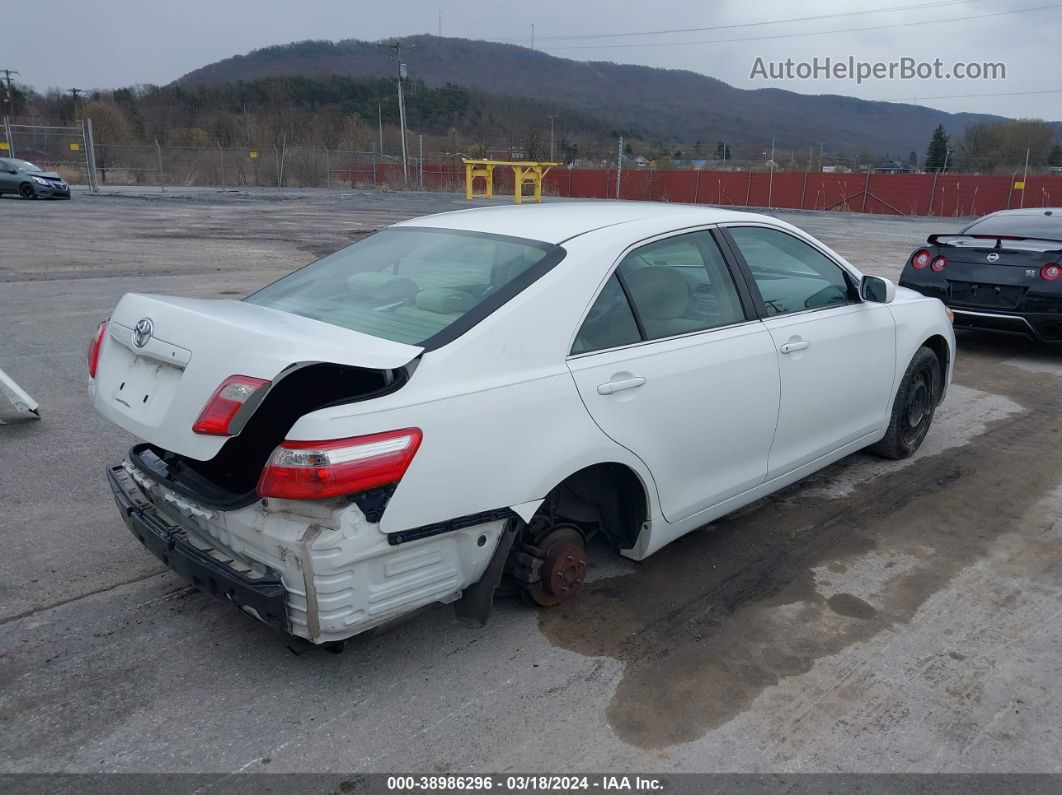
{"points": [[994, 253], [992, 273], [155, 384], [989, 259]]}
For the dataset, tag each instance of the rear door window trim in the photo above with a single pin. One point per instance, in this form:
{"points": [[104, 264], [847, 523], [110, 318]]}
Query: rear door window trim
{"points": [[746, 299]]}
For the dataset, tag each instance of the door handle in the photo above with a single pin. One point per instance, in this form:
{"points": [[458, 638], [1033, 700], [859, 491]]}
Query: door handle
{"points": [[611, 387], [793, 347]]}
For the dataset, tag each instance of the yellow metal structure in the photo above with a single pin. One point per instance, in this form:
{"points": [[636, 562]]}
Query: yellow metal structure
{"points": [[524, 172]]}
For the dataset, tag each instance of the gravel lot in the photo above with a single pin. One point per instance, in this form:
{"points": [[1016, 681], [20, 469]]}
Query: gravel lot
{"points": [[881, 616]]}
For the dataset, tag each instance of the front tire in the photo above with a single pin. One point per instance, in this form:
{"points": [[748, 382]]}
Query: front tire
{"points": [[26, 191], [914, 407]]}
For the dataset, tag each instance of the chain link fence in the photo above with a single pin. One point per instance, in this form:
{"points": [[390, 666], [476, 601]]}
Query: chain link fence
{"points": [[77, 157], [67, 150]]}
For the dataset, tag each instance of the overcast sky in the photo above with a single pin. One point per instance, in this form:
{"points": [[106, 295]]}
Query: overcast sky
{"points": [[111, 43]]}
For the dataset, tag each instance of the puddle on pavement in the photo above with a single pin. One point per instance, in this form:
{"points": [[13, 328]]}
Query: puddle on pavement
{"points": [[711, 621]]}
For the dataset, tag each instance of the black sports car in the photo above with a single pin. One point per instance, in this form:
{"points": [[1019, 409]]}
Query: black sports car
{"points": [[1003, 272]]}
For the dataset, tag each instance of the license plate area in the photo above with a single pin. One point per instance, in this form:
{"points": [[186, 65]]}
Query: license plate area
{"points": [[992, 296], [145, 389]]}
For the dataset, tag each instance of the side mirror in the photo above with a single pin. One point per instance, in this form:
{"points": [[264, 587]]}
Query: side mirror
{"points": [[877, 290]]}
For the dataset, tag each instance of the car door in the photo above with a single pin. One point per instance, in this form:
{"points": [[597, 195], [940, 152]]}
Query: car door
{"points": [[671, 363], [836, 353]]}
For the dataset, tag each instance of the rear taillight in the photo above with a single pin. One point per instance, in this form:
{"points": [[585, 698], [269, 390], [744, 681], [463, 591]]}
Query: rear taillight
{"points": [[315, 470], [94, 348], [938, 264], [226, 403], [920, 259], [1050, 272]]}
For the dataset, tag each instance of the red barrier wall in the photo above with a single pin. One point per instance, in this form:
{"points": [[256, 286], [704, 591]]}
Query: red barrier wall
{"points": [[890, 194]]}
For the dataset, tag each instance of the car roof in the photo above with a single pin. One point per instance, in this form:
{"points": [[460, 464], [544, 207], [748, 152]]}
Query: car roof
{"points": [[1025, 211], [558, 221]]}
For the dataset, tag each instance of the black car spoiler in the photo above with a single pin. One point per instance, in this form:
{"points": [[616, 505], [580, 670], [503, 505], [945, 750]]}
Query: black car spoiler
{"points": [[935, 240]]}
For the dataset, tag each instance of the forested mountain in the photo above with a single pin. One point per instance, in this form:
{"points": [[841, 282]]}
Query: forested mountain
{"points": [[670, 106]]}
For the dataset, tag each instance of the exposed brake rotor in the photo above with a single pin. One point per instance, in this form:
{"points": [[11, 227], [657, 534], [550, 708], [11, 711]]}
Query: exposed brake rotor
{"points": [[562, 563]]}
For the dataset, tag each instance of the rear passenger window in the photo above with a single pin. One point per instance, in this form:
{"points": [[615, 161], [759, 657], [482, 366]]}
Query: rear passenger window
{"points": [[791, 275], [610, 322], [680, 285]]}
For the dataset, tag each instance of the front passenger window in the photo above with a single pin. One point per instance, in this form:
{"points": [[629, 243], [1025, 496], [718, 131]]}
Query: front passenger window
{"points": [[791, 275]]}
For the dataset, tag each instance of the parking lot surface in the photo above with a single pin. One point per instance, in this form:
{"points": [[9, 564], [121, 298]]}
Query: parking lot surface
{"points": [[880, 616]]}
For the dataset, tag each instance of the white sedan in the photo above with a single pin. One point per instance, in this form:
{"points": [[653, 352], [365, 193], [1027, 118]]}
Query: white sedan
{"points": [[470, 397]]}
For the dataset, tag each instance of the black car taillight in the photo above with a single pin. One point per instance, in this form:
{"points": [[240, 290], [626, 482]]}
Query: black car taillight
{"points": [[920, 259], [1050, 272], [938, 264]]}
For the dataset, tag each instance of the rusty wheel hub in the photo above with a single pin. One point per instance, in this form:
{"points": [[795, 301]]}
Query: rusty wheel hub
{"points": [[563, 568]]}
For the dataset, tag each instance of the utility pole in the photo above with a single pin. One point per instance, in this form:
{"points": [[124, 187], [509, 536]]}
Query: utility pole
{"points": [[1025, 177], [379, 116], [440, 24], [402, 122], [75, 95], [947, 155], [10, 97], [551, 118], [619, 165], [820, 157], [532, 35], [396, 49], [933, 189], [770, 184]]}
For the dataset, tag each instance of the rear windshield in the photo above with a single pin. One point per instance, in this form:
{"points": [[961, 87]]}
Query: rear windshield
{"points": [[412, 285], [1048, 227]]}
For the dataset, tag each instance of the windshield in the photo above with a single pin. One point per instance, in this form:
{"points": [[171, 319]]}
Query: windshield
{"points": [[1042, 225], [24, 165], [411, 284]]}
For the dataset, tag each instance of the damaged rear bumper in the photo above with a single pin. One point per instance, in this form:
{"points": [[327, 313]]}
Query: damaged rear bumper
{"points": [[262, 596], [315, 569]]}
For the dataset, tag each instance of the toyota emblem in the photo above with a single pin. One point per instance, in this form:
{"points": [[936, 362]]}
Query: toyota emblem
{"points": [[142, 332]]}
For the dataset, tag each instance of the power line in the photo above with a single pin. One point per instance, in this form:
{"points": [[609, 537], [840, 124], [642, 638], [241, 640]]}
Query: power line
{"points": [[801, 35], [817, 17], [960, 96]]}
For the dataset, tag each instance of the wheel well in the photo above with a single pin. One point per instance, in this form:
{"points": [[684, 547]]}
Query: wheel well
{"points": [[939, 346], [603, 498]]}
